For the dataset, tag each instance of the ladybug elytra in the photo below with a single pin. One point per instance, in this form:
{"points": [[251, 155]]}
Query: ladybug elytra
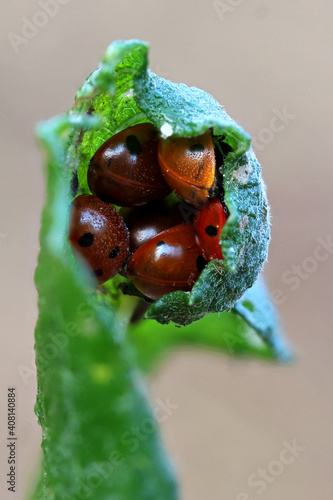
{"points": [[125, 169], [170, 261], [98, 233], [188, 166], [208, 224]]}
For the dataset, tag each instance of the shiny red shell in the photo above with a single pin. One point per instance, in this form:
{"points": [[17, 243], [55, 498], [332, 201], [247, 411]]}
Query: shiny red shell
{"points": [[145, 222], [125, 169], [170, 261], [188, 166], [98, 233], [208, 224]]}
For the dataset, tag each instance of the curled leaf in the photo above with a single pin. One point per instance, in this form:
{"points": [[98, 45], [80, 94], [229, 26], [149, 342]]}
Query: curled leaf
{"points": [[123, 92]]}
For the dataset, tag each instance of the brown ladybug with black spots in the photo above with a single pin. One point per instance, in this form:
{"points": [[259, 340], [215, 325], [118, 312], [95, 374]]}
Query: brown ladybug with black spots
{"points": [[98, 233], [125, 169], [170, 261], [208, 224], [188, 166]]}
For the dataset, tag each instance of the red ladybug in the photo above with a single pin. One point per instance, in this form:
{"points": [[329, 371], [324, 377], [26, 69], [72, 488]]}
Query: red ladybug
{"points": [[147, 221], [208, 224], [170, 261], [188, 166], [125, 169], [98, 233]]}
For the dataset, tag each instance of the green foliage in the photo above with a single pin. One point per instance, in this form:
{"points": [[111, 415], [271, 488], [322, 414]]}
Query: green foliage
{"points": [[257, 309], [90, 401], [251, 328]]}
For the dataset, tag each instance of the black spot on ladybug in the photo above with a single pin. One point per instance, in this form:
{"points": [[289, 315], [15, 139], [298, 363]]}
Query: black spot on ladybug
{"points": [[86, 240], [201, 263], [74, 184], [114, 252], [160, 243], [133, 145], [98, 272], [197, 148], [211, 230]]}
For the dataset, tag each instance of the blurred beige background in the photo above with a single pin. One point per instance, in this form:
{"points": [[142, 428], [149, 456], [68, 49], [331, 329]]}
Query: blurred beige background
{"points": [[262, 60]]}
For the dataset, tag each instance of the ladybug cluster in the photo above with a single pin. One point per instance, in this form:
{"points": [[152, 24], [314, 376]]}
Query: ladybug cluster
{"points": [[147, 240]]}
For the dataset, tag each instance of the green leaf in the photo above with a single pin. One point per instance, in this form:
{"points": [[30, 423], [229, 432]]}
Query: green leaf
{"points": [[250, 329], [115, 111], [225, 332], [100, 439], [258, 310], [141, 96], [184, 111]]}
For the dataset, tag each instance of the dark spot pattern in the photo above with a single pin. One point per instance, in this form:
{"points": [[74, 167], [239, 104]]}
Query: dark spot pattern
{"points": [[86, 240], [197, 148], [201, 263], [114, 252], [133, 145], [211, 230], [98, 272]]}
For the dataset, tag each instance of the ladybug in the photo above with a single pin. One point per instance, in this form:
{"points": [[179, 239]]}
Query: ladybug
{"points": [[208, 224], [188, 166], [97, 231], [170, 261], [125, 169], [147, 221]]}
